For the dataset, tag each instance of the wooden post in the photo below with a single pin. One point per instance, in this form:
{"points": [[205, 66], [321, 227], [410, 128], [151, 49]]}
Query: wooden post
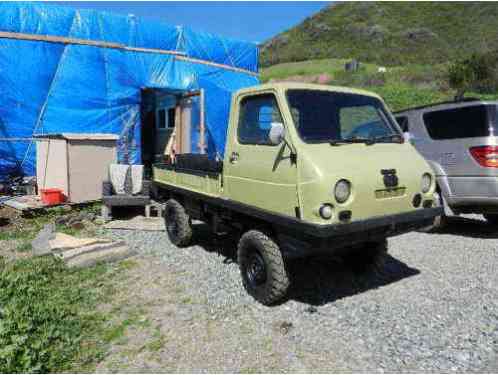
{"points": [[202, 130]]}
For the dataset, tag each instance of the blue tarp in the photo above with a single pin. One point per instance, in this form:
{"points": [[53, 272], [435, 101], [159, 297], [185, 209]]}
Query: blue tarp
{"points": [[48, 87]]}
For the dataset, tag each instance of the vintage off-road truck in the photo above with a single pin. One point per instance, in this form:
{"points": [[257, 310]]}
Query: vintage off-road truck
{"points": [[307, 170]]}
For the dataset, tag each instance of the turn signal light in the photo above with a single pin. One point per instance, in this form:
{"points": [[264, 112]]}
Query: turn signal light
{"points": [[486, 156]]}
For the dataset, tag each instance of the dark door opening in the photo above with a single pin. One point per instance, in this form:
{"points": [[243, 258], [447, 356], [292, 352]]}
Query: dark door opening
{"points": [[172, 123]]}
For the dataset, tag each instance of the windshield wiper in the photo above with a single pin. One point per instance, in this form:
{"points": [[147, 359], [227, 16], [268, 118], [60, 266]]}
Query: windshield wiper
{"points": [[335, 142], [391, 137]]}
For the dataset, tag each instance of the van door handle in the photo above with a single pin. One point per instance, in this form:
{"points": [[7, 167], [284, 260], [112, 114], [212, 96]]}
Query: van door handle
{"points": [[234, 157]]}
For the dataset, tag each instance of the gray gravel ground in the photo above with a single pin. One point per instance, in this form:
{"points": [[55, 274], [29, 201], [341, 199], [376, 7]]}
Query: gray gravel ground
{"points": [[433, 309]]}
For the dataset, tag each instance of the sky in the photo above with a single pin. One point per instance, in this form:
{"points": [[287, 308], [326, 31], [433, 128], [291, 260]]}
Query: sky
{"points": [[250, 21]]}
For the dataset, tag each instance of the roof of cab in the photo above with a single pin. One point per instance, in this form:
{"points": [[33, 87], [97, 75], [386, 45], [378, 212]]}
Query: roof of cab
{"points": [[305, 86]]}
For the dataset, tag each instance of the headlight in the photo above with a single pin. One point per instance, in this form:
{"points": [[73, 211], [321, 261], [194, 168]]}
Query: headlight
{"points": [[326, 211], [426, 182], [342, 191]]}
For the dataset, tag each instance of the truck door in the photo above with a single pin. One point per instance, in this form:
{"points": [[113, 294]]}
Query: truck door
{"points": [[258, 173]]}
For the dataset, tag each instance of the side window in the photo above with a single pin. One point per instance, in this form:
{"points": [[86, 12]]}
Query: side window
{"points": [[257, 113], [161, 119], [166, 118], [403, 123], [464, 122], [171, 117]]}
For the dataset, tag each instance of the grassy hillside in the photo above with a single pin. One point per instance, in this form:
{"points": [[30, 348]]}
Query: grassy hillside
{"points": [[389, 34], [401, 86]]}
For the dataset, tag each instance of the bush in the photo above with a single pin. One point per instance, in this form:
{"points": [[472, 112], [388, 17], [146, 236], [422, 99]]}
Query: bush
{"points": [[46, 311], [478, 73]]}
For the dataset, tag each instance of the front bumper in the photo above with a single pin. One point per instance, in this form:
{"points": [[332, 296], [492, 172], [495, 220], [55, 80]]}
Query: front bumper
{"points": [[327, 238]]}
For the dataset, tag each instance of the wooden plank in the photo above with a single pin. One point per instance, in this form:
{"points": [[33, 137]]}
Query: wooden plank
{"points": [[178, 55], [84, 42], [217, 65], [202, 130]]}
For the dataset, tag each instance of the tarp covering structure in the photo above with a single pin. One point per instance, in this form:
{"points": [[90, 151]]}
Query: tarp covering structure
{"points": [[54, 80]]}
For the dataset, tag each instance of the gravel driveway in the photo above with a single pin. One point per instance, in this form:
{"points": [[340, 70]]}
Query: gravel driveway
{"points": [[433, 309]]}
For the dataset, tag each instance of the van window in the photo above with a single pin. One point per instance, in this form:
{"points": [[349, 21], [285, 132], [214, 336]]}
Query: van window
{"points": [[257, 113], [464, 122], [403, 123]]}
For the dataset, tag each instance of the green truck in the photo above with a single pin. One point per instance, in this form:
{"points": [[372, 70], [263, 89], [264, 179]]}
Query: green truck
{"points": [[307, 170]]}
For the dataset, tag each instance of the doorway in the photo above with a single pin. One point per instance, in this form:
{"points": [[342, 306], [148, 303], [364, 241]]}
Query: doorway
{"points": [[172, 123]]}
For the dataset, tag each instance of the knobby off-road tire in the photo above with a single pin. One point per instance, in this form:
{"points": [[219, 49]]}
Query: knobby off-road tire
{"points": [[178, 224], [371, 257], [491, 219], [262, 268]]}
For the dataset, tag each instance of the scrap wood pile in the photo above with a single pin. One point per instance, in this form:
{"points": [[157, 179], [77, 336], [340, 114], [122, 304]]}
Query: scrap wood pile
{"points": [[78, 252]]}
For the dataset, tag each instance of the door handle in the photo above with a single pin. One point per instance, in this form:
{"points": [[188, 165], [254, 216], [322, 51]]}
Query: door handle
{"points": [[234, 157]]}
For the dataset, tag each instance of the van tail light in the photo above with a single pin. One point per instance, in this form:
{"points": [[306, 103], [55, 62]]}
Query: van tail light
{"points": [[486, 156]]}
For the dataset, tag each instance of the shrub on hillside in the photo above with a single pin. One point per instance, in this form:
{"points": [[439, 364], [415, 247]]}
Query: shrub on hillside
{"points": [[478, 73]]}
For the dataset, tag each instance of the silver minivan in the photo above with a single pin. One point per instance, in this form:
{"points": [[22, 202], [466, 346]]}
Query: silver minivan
{"points": [[460, 141]]}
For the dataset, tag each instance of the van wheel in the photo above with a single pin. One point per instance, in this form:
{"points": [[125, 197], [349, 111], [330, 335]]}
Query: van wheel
{"points": [[178, 223], [371, 257], [262, 268], [441, 220], [491, 218]]}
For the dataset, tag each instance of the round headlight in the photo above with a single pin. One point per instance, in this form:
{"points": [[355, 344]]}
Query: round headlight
{"points": [[426, 182], [326, 211], [342, 191]]}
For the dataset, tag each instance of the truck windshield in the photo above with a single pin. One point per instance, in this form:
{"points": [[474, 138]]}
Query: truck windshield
{"points": [[464, 122], [324, 116]]}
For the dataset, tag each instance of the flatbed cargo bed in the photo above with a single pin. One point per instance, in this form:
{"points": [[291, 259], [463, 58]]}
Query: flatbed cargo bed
{"points": [[203, 182]]}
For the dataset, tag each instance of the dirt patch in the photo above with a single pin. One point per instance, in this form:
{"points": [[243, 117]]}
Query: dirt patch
{"points": [[178, 331]]}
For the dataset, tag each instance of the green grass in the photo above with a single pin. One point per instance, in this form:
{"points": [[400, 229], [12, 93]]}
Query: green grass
{"points": [[49, 320], [310, 67], [401, 86], [388, 33]]}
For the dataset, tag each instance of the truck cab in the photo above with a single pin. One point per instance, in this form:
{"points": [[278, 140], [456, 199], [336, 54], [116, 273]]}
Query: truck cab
{"points": [[307, 169]]}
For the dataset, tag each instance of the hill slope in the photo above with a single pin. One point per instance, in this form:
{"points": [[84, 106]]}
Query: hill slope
{"points": [[389, 33]]}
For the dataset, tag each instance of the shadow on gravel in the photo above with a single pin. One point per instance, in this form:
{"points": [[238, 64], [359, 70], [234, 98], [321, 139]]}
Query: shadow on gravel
{"points": [[225, 246], [316, 281], [462, 226], [319, 281]]}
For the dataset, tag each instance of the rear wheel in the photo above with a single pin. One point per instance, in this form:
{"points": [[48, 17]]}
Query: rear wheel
{"points": [[370, 257], [178, 224], [491, 218], [262, 268]]}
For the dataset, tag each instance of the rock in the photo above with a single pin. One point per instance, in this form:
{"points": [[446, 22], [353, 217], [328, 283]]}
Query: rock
{"points": [[99, 221], [41, 243], [78, 225], [285, 327], [61, 220], [311, 309], [67, 208]]}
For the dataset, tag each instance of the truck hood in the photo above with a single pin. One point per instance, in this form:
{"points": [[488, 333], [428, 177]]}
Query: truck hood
{"points": [[322, 165]]}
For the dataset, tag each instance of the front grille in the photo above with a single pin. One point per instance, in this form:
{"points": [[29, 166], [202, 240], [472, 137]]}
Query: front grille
{"points": [[390, 193]]}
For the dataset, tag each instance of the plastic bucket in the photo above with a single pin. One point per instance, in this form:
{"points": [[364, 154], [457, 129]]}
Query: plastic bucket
{"points": [[51, 196]]}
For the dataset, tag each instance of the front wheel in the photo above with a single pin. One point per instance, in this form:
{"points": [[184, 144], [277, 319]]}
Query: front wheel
{"points": [[262, 268], [491, 218], [178, 223]]}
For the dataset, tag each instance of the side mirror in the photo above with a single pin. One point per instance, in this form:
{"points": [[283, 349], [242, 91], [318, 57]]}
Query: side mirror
{"points": [[277, 133]]}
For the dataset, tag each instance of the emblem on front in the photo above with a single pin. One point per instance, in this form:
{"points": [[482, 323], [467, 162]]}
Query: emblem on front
{"points": [[390, 178]]}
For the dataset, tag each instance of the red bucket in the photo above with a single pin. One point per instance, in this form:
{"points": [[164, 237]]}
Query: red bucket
{"points": [[51, 196]]}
